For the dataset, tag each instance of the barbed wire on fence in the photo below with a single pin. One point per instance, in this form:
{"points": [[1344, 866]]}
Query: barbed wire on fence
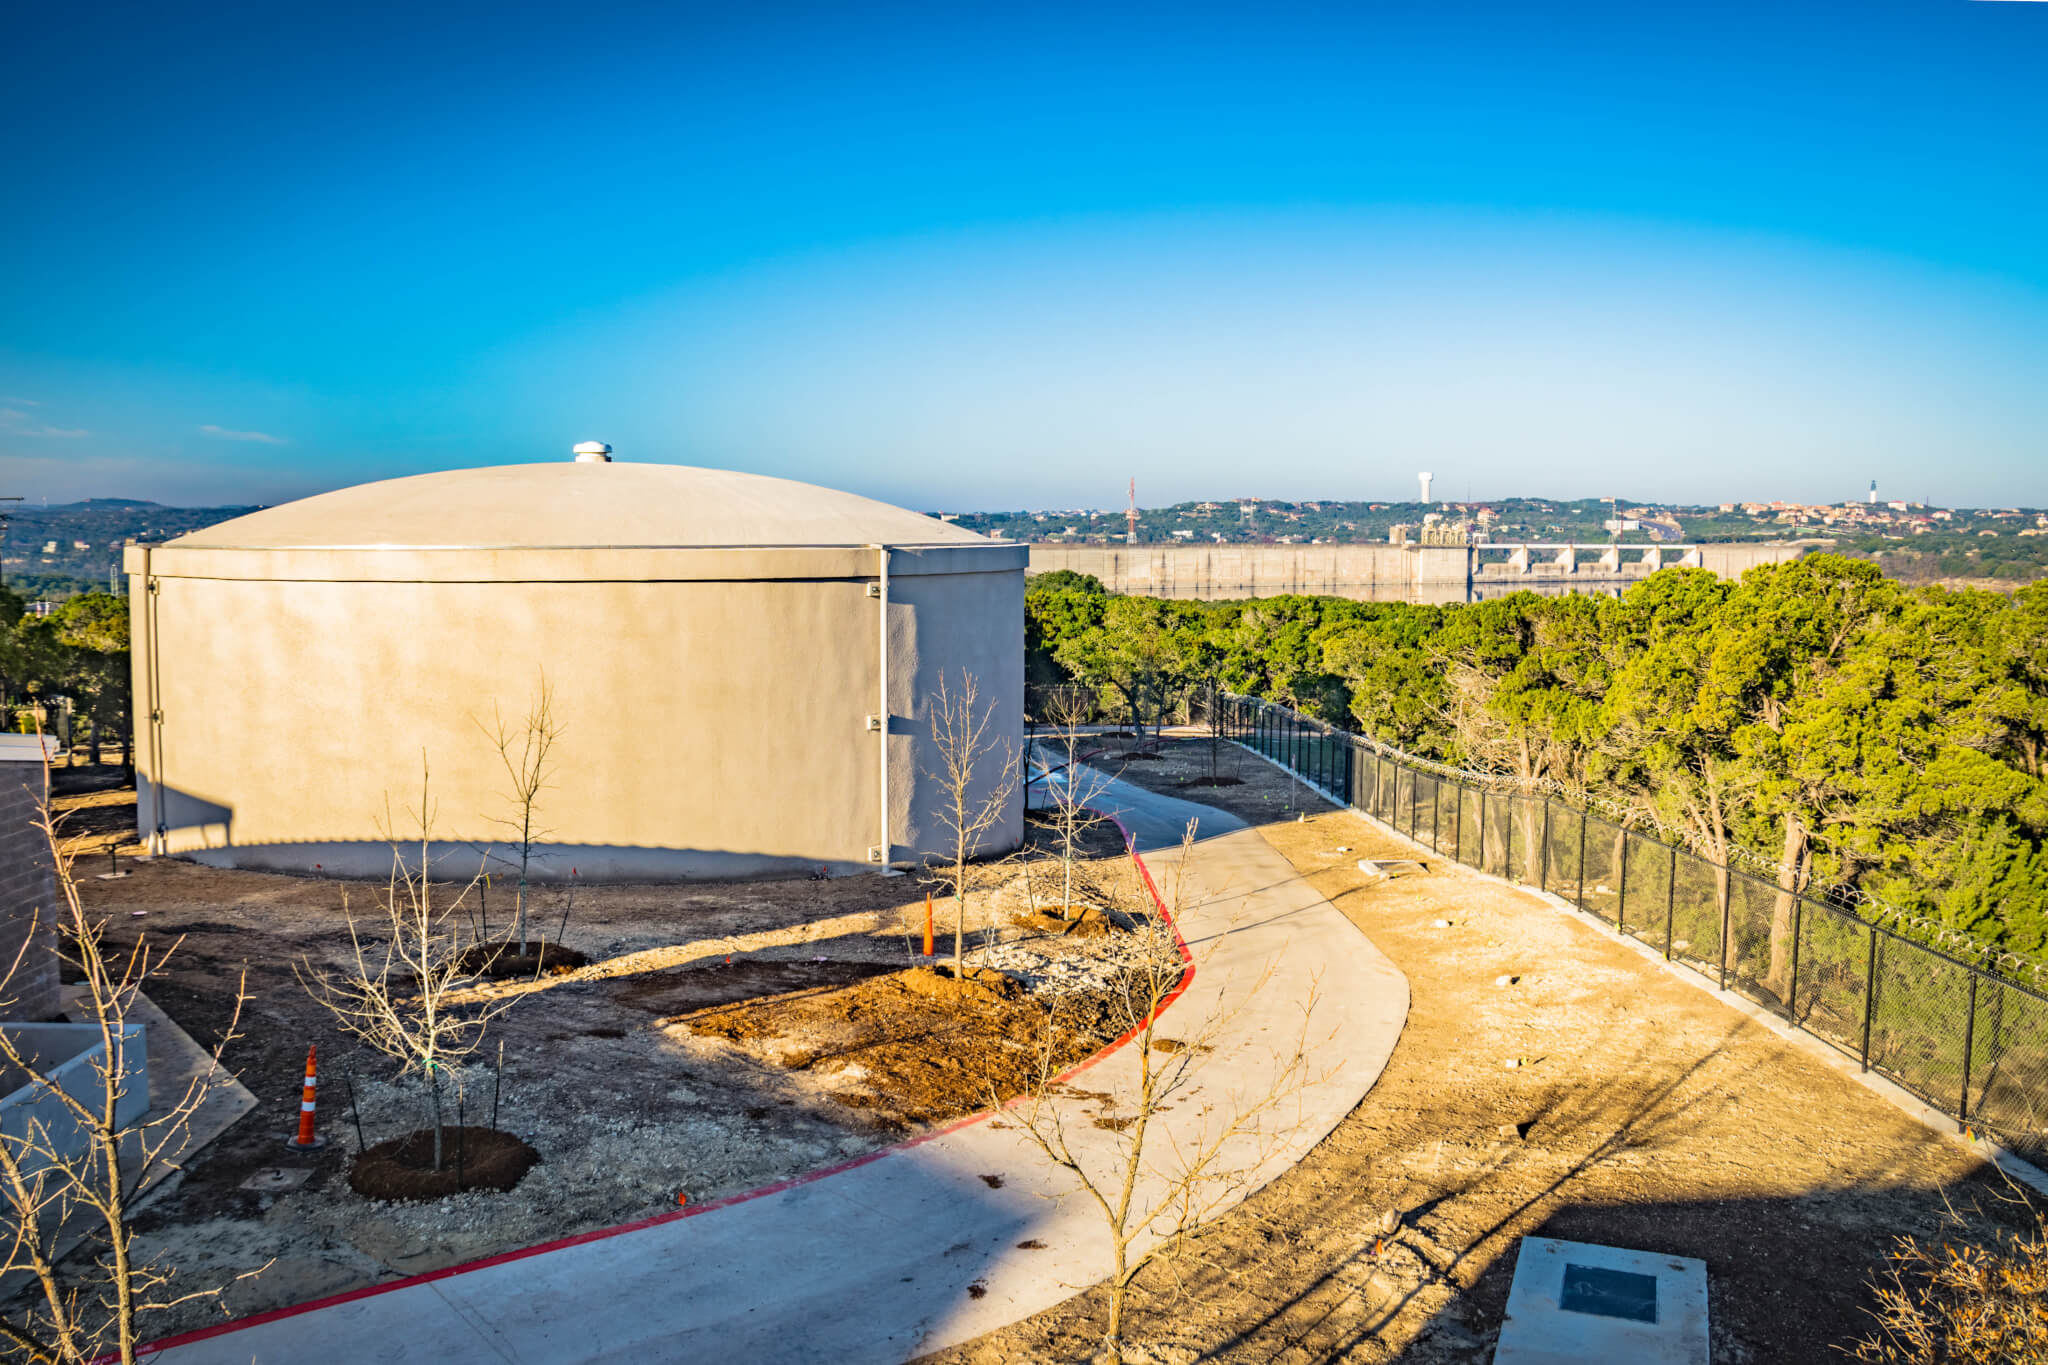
{"points": [[1851, 900]]}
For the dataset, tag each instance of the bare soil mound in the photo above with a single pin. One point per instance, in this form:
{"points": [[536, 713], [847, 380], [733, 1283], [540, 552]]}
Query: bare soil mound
{"points": [[915, 1047], [472, 1158], [1213, 782], [502, 961], [1086, 922], [684, 989], [939, 983]]}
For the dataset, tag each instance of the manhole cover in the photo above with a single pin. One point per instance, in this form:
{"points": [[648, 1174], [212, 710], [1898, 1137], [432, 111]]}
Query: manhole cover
{"points": [[1609, 1293], [271, 1179]]}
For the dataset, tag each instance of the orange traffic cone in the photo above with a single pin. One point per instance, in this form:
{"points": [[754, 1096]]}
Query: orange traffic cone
{"points": [[308, 1103], [927, 924]]}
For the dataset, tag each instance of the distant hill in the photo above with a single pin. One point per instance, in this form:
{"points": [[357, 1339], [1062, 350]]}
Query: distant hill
{"points": [[70, 547]]}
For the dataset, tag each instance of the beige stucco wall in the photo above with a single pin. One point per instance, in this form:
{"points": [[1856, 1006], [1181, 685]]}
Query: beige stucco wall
{"points": [[714, 726]]}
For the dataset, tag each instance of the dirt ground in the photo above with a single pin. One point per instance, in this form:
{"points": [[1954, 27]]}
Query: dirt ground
{"points": [[1642, 1114], [725, 1035]]}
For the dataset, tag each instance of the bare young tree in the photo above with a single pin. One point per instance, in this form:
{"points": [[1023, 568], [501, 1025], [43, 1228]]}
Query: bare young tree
{"points": [[73, 1169], [1216, 721], [524, 751], [1153, 1189], [976, 781], [1072, 788], [407, 993]]}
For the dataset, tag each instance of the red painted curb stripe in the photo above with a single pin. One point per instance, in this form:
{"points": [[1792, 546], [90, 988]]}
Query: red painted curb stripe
{"points": [[655, 1220]]}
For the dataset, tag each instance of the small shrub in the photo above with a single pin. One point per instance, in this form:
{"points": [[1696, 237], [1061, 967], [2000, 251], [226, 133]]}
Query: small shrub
{"points": [[1963, 1304]]}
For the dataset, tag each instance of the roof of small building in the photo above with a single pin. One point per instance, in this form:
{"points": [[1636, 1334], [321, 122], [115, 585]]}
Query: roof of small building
{"points": [[566, 504]]}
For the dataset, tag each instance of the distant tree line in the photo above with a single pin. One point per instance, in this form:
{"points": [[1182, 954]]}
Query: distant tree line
{"points": [[79, 651], [1850, 730], [1954, 554]]}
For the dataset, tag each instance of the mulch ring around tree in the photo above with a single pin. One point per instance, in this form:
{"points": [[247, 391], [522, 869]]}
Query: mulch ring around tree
{"points": [[502, 960], [472, 1158]]}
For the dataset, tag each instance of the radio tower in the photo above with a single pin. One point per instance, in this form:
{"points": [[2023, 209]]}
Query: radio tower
{"points": [[1131, 516]]}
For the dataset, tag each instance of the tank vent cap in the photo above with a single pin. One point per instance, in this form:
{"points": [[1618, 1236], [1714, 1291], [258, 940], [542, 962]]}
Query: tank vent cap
{"points": [[593, 452]]}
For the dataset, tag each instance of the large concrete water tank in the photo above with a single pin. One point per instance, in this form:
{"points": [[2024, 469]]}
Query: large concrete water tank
{"points": [[718, 645]]}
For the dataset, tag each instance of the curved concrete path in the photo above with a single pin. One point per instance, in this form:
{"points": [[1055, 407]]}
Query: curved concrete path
{"points": [[917, 1246]]}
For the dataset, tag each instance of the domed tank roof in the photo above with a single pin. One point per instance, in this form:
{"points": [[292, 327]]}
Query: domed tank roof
{"points": [[578, 505]]}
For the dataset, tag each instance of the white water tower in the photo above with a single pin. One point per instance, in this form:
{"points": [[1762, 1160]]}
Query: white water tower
{"points": [[1425, 476]]}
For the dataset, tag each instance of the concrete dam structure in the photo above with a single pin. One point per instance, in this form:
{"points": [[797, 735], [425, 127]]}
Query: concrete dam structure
{"points": [[1434, 574]]}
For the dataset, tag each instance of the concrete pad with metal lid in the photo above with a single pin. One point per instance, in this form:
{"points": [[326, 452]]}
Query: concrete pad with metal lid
{"points": [[1573, 1303]]}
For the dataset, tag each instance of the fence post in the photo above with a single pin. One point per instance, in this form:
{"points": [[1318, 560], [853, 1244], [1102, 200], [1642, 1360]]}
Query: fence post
{"points": [[1792, 986], [1670, 900], [1869, 991], [1481, 864], [1543, 850], [1436, 816], [1620, 888], [1458, 825], [1727, 896], [1582, 860], [1969, 1047]]}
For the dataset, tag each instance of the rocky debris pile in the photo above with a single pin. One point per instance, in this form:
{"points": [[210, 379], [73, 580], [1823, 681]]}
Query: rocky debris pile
{"points": [[1074, 965]]}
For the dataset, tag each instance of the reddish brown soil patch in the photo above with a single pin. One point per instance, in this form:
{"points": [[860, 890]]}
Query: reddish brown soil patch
{"points": [[1087, 922], [914, 1047], [939, 982], [685, 989], [502, 961], [472, 1158]]}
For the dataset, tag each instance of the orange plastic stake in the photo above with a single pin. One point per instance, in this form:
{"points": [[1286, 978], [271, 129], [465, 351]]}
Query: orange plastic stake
{"points": [[308, 1104], [928, 924]]}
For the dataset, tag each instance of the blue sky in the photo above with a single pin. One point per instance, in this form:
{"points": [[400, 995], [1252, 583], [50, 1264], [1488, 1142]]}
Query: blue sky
{"points": [[961, 258]]}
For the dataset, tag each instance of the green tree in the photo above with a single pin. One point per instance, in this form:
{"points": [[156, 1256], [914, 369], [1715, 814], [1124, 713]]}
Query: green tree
{"points": [[1142, 648], [92, 631]]}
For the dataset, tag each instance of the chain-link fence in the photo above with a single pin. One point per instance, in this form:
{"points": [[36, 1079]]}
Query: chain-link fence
{"points": [[1968, 1042]]}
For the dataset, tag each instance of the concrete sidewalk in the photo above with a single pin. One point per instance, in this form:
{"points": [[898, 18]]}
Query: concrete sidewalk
{"points": [[932, 1242]]}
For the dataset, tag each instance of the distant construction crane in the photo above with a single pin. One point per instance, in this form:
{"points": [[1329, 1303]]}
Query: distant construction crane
{"points": [[1131, 515]]}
